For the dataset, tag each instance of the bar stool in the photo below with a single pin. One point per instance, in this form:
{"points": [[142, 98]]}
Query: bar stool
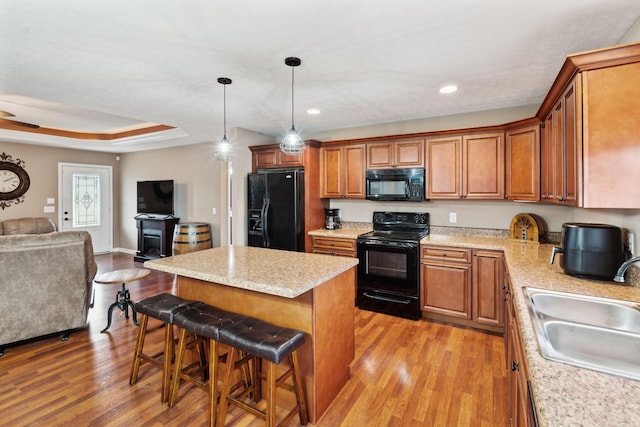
{"points": [[272, 344], [162, 307], [204, 322]]}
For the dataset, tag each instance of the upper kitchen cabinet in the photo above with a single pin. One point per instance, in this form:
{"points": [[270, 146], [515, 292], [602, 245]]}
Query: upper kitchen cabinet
{"points": [[396, 154], [342, 170], [522, 163], [591, 130], [466, 166], [270, 156], [560, 149]]}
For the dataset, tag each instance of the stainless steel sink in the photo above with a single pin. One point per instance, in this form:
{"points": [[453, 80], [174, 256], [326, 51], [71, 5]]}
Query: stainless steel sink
{"points": [[597, 333]]}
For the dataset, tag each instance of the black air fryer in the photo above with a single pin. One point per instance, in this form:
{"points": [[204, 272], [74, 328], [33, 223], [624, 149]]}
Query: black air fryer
{"points": [[592, 251]]}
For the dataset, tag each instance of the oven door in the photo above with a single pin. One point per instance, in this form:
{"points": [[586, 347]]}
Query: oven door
{"points": [[388, 278]]}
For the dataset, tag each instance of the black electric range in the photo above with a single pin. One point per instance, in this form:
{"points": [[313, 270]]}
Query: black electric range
{"points": [[389, 268]]}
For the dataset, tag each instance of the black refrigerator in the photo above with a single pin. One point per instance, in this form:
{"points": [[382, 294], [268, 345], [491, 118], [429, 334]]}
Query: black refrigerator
{"points": [[276, 209]]}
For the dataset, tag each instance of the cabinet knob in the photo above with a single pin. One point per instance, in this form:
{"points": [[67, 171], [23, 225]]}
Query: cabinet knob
{"points": [[515, 366]]}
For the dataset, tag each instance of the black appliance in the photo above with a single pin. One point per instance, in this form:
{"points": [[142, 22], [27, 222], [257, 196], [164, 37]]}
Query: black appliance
{"points": [[155, 197], [276, 209], [395, 184], [590, 250], [332, 219], [389, 267]]}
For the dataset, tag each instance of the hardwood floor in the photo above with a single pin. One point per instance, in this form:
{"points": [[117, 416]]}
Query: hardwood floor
{"points": [[405, 373]]}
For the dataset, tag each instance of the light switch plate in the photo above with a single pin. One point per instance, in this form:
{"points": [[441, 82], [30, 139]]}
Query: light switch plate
{"points": [[49, 209], [51, 201]]}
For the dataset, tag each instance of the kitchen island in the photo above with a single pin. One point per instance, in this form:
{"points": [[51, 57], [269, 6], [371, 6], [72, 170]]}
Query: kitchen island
{"points": [[309, 292]]}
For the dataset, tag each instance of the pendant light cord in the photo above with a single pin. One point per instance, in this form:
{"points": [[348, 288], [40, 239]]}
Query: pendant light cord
{"points": [[292, 106], [224, 103]]}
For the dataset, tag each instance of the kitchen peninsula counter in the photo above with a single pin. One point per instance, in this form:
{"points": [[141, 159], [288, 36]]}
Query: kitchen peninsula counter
{"points": [[309, 292], [564, 395]]}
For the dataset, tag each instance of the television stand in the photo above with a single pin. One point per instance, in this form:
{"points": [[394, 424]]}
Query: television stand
{"points": [[154, 237]]}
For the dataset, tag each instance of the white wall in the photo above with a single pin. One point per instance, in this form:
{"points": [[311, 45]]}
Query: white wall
{"points": [[633, 34]]}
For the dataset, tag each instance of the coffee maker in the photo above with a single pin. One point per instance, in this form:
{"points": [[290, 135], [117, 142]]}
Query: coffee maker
{"points": [[332, 219]]}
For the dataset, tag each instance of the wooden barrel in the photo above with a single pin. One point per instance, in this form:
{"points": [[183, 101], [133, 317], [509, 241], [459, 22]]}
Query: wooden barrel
{"points": [[191, 237]]}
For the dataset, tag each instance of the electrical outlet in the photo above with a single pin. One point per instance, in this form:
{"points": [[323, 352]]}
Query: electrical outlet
{"points": [[214, 211], [453, 218]]}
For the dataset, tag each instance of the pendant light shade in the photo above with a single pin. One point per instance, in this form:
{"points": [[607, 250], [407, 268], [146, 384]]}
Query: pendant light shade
{"points": [[224, 150], [292, 143]]}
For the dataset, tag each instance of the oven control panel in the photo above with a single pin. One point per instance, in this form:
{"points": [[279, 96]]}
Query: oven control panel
{"points": [[401, 218]]}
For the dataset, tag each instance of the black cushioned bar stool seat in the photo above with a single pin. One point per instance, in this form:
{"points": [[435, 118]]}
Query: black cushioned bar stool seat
{"points": [[205, 322], [271, 344], [162, 307]]}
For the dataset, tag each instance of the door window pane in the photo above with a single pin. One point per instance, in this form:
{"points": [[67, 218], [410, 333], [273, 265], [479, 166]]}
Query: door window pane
{"points": [[86, 200]]}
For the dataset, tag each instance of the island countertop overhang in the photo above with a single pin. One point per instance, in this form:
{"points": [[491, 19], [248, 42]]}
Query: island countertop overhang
{"points": [[270, 271]]}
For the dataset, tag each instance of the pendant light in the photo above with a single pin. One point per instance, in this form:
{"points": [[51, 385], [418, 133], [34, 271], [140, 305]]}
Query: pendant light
{"points": [[292, 143], [224, 149]]}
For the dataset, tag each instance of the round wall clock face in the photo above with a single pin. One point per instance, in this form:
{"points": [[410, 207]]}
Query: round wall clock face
{"points": [[14, 181]]}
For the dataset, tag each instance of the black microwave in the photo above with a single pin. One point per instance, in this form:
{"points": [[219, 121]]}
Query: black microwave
{"points": [[395, 184]]}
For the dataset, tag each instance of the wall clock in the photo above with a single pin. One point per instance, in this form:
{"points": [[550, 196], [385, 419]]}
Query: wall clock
{"points": [[14, 181]]}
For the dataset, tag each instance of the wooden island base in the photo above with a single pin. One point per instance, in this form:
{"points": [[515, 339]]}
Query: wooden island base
{"points": [[326, 315]]}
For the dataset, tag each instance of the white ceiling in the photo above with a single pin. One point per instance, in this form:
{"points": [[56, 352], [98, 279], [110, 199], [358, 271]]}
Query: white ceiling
{"points": [[363, 62]]}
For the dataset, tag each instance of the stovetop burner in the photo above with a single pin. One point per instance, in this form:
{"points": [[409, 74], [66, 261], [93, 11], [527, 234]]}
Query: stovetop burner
{"points": [[401, 236], [398, 226]]}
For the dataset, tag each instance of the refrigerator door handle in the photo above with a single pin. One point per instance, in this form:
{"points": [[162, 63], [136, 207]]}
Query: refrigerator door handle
{"points": [[265, 222]]}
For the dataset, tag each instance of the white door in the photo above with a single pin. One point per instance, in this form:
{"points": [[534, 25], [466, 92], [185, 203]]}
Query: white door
{"points": [[85, 199]]}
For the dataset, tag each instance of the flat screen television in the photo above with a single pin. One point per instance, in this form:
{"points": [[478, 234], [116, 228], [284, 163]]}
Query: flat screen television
{"points": [[155, 197]]}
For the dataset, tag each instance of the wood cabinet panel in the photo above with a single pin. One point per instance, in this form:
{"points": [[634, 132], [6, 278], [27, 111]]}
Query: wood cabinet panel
{"points": [[547, 165], [487, 288], [522, 163], [354, 182], [611, 111], [446, 289], [483, 166], [335, 246], [444, 168]]}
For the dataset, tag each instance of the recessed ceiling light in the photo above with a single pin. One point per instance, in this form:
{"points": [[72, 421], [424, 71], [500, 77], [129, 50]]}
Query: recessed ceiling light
{"points": [[313, 111], [448, 89]]}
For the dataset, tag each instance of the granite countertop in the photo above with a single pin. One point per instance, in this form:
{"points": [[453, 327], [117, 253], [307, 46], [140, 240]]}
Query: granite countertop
{"points": [[564, 395], [344, 233], [282, 273]]}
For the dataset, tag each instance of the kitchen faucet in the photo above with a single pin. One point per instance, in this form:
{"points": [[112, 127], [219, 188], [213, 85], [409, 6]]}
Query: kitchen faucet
{"points": [[620, 274]]}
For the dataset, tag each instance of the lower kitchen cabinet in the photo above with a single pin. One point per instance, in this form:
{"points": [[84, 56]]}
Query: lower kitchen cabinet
{"points": [[462, 286], [522, 409], [445, 274], [486, 288], [334, 246]]}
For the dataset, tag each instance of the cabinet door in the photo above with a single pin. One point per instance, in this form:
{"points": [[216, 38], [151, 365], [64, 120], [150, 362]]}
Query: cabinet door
{"points": [[353, 171], [483, 166], [444, 168], [331, 165], [487, 293], [409, 154], [265, 159], [446, 289], [571, 146], [380, 155], [547, 164], [289, 160], [522, 170]]}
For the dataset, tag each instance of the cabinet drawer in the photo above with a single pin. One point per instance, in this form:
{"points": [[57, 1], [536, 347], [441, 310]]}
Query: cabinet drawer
{"points": [[445, 253], [328, 245], [337, 252]]}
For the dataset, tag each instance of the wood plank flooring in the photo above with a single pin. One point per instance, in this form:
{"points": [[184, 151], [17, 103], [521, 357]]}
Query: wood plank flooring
{"points": [[406, 373]]}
